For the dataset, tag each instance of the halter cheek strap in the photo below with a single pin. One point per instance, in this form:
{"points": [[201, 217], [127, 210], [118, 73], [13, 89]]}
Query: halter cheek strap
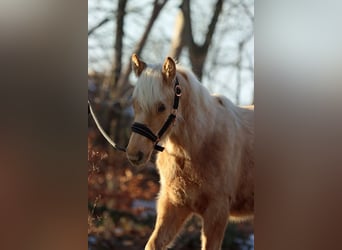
{"points": [[143, 130]]}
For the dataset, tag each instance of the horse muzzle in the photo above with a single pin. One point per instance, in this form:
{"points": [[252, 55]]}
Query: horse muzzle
{"points": [[139, 150]]}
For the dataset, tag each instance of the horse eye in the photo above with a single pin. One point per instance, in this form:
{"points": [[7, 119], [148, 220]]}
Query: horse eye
{"points": [[161, 108]]}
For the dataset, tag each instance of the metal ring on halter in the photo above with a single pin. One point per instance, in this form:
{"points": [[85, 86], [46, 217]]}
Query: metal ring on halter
{"points": [[174, 111], [178, 90]]}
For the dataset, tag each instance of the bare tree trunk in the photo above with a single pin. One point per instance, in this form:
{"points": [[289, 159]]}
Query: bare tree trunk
{"points": [[178, 39], [197, 53], [117, 63], [122, 86]]}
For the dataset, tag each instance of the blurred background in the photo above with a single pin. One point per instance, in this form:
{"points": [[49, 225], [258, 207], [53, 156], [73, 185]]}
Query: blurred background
{"points": [[214, 38]]}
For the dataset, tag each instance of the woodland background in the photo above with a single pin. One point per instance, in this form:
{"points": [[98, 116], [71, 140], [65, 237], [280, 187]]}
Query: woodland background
{"points": [[214, 38]]}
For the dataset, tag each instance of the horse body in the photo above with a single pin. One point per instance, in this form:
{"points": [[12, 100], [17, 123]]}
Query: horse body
{"points": [[208, 163]]}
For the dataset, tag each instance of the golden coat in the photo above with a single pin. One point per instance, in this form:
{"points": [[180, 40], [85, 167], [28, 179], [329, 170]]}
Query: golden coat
{"points": [[207, 166]]}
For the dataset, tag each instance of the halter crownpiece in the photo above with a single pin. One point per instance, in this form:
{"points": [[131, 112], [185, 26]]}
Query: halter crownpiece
{"points": [[143, 130]]}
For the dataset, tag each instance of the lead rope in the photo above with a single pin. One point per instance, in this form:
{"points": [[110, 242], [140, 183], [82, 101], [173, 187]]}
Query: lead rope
{"points": [[105, 135]]}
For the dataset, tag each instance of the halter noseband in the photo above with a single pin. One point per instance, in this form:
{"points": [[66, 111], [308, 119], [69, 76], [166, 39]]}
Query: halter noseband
{"points": [[143, 130]]}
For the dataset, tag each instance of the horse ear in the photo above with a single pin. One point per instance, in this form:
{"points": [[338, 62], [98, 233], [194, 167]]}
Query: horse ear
{"points": [[169, 69], [137, 65]]}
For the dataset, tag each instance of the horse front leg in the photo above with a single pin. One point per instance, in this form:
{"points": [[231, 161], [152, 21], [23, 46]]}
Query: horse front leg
{"points": [[213, 228], [170, 219]]}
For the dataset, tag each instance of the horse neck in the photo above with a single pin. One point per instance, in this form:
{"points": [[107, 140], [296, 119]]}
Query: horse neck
{"points": [[195, 119]]}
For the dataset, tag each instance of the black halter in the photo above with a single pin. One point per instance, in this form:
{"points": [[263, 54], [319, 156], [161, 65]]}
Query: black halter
{"points": [[143, 130]]}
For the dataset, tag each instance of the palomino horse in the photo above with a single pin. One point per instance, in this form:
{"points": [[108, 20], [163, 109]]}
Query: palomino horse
{"points": [[207, 167]]}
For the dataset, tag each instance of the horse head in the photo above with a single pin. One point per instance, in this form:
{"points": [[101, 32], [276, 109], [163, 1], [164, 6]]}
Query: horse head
{"points": [[154, 107]]}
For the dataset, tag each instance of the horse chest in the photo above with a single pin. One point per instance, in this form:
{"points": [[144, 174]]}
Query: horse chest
{"points": [[182, 191], [179, 181]]}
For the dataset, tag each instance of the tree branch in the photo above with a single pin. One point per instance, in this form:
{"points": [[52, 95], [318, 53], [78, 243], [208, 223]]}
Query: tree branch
{"points": [[157, 7], [212, 25], [248, 12], [92, 30], [179, 34], [188, 35], [198, 52], [118, 42]]}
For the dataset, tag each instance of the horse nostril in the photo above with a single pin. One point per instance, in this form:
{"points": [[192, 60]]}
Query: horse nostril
{"points": [[140, 156]]}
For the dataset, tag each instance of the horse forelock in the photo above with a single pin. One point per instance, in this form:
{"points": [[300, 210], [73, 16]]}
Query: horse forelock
{"points": [[149, 88]]}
